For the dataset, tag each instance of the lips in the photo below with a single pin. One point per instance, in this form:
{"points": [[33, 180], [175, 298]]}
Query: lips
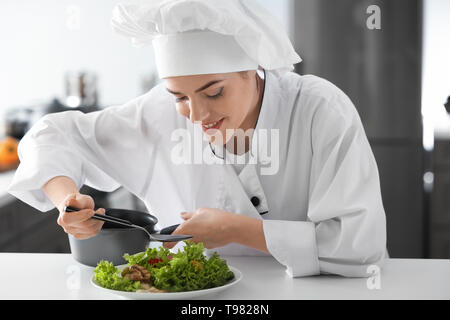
{"points": [[212, 125]]}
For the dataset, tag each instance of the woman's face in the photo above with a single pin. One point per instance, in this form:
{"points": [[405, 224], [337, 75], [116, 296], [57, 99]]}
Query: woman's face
{"points": [[225, 101]]}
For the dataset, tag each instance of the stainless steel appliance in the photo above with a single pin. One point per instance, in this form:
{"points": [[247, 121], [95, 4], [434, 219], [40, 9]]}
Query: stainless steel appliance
{"points": [[380, 70]]}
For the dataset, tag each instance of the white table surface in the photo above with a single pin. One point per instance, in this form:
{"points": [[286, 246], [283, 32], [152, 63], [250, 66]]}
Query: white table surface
{"points": [[58, 276]]}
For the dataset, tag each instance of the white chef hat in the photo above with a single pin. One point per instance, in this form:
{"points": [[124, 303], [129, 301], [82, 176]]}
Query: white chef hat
{"points": [[193, 37]]}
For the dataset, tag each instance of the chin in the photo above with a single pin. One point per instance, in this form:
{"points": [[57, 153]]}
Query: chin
{"points": [[220, 140]]}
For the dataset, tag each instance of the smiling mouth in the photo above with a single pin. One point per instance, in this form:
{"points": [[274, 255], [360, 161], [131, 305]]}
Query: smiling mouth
{"points": [[212, 125]]}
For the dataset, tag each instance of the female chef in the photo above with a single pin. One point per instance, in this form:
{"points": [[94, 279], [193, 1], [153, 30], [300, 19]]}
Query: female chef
{"points": [[252, 158]]}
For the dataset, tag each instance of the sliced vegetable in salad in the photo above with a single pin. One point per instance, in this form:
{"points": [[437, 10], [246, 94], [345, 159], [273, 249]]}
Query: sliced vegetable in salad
{"points": [[160, 270]]}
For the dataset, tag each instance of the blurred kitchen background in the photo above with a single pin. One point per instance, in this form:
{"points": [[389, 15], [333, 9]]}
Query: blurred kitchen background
{"points": [[391, 57]]}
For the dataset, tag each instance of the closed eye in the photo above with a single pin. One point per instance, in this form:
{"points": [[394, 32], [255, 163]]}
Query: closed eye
{"points": [[181, 99], [219, 94], [216, 96]]}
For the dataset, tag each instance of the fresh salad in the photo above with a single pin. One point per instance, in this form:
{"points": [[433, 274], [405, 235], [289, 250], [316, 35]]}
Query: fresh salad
{"points": [[160, 270]]}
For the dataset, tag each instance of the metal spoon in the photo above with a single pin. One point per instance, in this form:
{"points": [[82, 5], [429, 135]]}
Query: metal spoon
{"points": [[163, 236]]}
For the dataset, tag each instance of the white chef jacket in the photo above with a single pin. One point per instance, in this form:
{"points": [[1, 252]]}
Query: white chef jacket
{"points": [[324, 212]]}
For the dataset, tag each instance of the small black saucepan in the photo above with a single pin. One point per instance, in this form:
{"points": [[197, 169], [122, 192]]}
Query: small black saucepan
{"points": [[114, 240]]}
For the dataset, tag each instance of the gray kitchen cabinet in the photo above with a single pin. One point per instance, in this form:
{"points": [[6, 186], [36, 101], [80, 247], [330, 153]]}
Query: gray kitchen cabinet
{"points": [[441, 154], [26, 229], [440, 242], [440, 202], [400, 182], [380, 71]]}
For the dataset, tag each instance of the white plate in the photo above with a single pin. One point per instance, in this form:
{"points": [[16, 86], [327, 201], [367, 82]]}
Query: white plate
{"points": [[170, 295]]}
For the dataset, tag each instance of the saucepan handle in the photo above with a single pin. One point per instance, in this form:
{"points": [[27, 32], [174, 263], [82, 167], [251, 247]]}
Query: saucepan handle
{"points": [[101, 217], [169, 230]]}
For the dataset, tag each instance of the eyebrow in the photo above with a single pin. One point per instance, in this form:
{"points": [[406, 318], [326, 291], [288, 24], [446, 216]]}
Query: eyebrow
{"points": [[206, 86]]}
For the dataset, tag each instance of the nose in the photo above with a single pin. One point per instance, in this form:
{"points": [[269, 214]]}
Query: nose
{"points": [[197, 112]]}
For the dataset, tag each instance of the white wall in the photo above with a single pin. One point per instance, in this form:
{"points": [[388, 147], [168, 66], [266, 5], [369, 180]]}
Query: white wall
{"points": [[436, 68], [41, 40], [38, 47]]}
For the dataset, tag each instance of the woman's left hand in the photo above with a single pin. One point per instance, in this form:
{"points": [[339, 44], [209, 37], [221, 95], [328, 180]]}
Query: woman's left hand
{"points": [[213, 227]]}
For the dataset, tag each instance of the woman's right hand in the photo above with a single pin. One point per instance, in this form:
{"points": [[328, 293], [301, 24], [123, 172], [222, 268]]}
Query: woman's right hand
{"points": [[79, 224]]}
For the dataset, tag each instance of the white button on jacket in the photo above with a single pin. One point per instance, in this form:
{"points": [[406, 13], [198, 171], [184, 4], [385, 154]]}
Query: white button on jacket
{"points": [[323, 200]]}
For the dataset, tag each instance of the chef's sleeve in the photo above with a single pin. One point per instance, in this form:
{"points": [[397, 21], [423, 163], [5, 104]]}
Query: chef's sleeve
{"points": [[345, 233], [103, 149]]}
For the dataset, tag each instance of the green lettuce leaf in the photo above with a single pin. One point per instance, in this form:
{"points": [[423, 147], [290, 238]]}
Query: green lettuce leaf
{"points": [[185, 270], [143, 258], [191, 270], [108, 276]]}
